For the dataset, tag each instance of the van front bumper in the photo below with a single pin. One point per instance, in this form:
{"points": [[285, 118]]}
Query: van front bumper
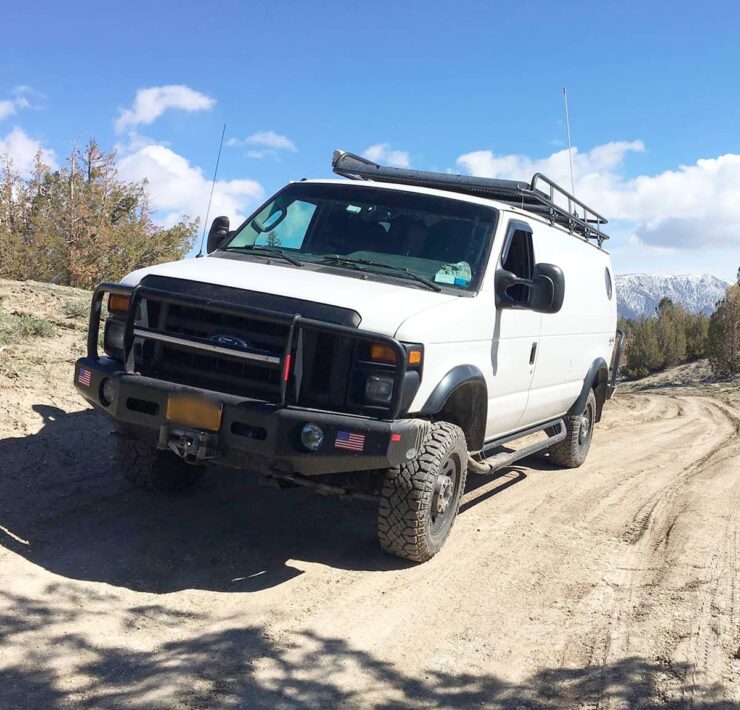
{"points": [[252, 434]]}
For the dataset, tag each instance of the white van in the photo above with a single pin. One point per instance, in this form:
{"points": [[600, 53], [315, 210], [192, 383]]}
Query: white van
{"points": [[378, 336]]}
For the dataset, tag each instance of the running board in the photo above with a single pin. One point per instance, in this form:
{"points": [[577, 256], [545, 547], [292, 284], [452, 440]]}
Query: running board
{"points": [[496, 462]]}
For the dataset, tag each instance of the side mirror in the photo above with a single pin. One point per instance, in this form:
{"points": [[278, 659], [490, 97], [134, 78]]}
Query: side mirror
{"points": [[217, 233], [548, 289], [543, 293], [511, 290]]}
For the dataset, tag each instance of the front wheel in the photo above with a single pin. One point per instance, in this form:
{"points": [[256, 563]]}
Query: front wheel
{"points": [[420, 498], [571, 452]]}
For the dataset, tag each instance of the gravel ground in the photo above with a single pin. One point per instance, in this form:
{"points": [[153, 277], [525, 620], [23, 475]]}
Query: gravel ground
{"points": [[614, 585]]}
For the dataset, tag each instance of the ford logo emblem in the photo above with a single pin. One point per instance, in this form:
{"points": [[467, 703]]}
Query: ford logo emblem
{"points": [[230, 341]]}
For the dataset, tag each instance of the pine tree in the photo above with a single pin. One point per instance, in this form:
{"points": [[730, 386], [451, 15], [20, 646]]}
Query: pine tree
{"points": [[671, 332], [696, 328], [81, 224], [644, 354], [723, 340]]}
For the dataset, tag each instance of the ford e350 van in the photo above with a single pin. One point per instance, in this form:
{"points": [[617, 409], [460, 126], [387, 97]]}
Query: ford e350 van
{"points": [[380, 335]]}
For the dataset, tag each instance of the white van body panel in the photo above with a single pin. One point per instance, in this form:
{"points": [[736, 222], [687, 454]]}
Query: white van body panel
{"points": [[581, 332], [499, 341]]}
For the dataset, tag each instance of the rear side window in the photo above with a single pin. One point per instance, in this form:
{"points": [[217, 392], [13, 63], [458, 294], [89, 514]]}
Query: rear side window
{"points": [[518, 258], [608, 282]]}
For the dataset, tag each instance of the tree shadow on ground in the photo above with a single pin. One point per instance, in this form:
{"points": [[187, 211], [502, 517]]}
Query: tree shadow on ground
{"points": [[242, 667]]}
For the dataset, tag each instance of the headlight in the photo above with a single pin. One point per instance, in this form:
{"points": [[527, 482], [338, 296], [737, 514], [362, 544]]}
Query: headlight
{"points": [[379, 388], [113, 338]]}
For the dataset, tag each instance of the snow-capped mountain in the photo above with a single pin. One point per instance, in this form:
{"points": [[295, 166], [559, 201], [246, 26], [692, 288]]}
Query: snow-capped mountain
{"points": [[639, 294]]}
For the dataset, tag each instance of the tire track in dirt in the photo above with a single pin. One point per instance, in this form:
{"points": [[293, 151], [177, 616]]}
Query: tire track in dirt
{"points": [[643, 568], [512, 560]]}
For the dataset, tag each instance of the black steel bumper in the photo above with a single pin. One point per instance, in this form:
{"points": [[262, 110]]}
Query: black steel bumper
{"points": [[253, 434]]}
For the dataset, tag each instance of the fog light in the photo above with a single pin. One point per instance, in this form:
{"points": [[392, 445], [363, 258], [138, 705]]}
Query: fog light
{"points": [[312, 437], [379, 388], [107, 392]]}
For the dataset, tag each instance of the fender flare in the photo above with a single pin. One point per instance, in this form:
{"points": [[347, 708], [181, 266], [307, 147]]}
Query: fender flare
{"points": [[596, 379], [477, 411]]}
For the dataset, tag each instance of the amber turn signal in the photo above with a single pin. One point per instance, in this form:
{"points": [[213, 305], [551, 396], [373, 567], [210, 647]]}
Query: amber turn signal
{"points": [[414, 357], [119, 303], [380, 352]]}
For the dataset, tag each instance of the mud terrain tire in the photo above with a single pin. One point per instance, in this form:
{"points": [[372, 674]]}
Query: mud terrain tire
{"points": [[145, 467], [420, 498], [571, 452]]}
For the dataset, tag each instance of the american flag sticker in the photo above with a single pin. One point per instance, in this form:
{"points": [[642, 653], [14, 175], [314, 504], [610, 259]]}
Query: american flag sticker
{"points": [[349, 440], [84, 376]]}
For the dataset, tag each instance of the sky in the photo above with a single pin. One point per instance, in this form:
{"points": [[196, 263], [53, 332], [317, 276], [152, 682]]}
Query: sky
{"points": [[469, 87]]}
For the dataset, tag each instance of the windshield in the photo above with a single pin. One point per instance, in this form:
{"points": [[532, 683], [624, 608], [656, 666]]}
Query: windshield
{"points": [[436, 239]]}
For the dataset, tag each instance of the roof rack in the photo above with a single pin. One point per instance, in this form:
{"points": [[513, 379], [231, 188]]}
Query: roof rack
{"points": [[577, 217]]}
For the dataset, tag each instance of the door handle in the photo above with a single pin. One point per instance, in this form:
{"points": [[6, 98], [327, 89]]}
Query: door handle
{"points": [[532, 353]]}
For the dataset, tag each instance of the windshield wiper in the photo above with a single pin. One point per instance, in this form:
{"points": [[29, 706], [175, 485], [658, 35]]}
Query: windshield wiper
{"points": [[359, 263], [264, 250]]}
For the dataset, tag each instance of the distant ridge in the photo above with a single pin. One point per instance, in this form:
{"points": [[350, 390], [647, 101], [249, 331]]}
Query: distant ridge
{"points": [[639, 294]]}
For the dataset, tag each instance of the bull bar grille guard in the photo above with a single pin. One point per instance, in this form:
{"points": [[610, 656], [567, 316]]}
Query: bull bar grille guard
{"points": [[295, 324]]}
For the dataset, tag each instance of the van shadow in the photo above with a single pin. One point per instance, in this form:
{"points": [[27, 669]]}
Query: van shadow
{"points": [[65, 506], [480, 488]]}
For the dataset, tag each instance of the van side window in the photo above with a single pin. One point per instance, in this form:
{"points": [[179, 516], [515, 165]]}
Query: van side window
{"points": [[519, 259]]}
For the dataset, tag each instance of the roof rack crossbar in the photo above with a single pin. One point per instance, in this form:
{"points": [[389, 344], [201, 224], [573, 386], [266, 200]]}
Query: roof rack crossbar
{"points": [[540, 196]]}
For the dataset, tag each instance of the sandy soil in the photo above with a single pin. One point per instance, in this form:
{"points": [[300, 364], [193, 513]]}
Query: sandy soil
{"points": [[614, 585]]}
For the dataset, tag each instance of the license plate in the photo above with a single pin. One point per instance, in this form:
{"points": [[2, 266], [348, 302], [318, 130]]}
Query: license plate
{"points": [[194, 412]]}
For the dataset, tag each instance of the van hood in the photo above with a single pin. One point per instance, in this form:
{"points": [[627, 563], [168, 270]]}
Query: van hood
{"points": [[383, 307]]}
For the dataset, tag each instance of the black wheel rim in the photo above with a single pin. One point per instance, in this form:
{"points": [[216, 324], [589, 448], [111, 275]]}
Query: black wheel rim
{"points": [[444, 497], [585, 428]]}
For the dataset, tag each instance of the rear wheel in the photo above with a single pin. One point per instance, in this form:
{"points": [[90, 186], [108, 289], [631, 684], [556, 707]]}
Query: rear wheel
{"points": [[148, 468], [420, 498], [571, 452]]}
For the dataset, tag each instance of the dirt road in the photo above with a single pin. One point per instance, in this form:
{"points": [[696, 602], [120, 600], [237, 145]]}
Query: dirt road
{"points": [[613, 585]]}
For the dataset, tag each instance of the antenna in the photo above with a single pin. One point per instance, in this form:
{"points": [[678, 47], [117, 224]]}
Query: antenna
{"points": [[213, 185], [570, 145]]}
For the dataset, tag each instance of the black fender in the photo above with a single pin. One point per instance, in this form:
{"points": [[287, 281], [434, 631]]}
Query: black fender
{"points": [[461, 396], [596, 379]]}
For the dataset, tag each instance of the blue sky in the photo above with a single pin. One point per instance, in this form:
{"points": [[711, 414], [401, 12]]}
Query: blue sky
{"points": [[466, 86]]}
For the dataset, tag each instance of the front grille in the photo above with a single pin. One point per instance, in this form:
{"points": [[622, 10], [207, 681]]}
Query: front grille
{"points": [[183, 363], [262, 336], [251, 344]]}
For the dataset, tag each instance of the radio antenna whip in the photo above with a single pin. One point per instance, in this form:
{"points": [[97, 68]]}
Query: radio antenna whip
{"points": [[213, 185], [570, 145]]}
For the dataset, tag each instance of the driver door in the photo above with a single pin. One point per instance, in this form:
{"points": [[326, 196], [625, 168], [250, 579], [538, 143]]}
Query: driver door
{"points": [[515, 338]]}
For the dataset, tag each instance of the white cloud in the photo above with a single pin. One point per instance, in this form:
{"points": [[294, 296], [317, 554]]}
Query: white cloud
{"points": [[7, 108], [586, 166], [261, 154], [382, 153], [21, 96], [267, 144], [693, 206], [22, 149], [152, 102], [178, 188]]}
